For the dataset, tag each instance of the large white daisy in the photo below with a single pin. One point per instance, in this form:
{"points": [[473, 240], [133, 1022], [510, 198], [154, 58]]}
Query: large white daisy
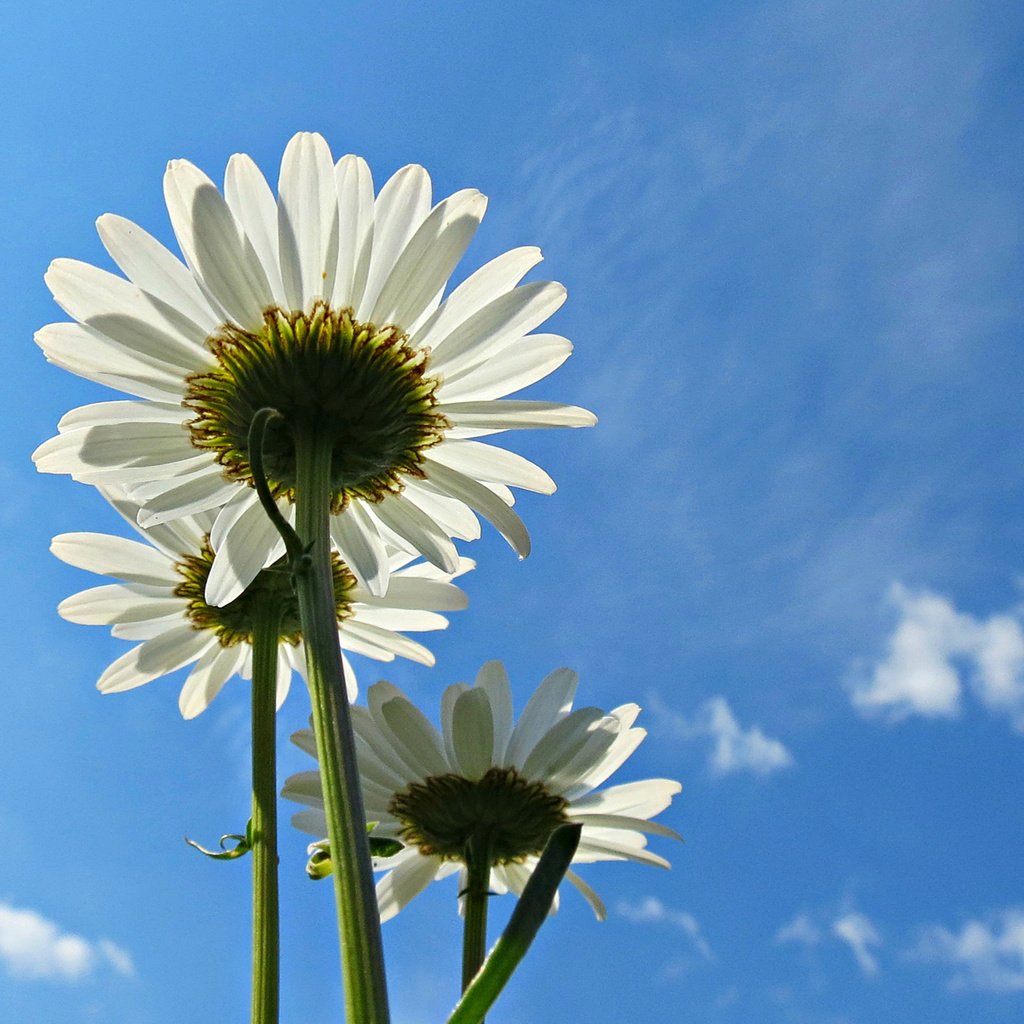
{"points": [[160, 601], [433, 791], [326, 304]]}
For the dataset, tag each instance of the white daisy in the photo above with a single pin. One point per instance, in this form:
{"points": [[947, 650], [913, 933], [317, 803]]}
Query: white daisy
{"points": [[324, 303], [160, 601], [518, 781]]}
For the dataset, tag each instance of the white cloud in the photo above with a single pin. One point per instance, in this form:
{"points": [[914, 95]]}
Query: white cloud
{"points": [[986, 955], [652, 910], [859, 934], [733, 748], [31, 946], [801, 929], [920, 674]]}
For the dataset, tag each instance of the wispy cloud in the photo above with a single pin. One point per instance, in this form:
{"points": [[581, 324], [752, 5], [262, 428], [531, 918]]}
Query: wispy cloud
{"points": [[801, 930], [733, 748], [848, 926], [860, 935], [986, 956], [651, 910], [920, 673], [33, 947]]}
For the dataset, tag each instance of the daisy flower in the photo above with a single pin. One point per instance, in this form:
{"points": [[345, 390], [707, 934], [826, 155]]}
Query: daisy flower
{"points": [[515, 781], [160, 601], [324, 303]]}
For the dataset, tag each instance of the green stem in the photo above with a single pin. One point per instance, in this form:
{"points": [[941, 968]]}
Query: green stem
{"points": [[362, 955], [476, 894], [265, 938]]}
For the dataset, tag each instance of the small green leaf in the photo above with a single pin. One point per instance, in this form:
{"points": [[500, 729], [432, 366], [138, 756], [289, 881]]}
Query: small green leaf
{"points": [[243, 844]]}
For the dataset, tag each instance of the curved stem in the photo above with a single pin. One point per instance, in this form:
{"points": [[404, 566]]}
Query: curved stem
{"points": [[362, 955], [265, 937], [476, 895]]}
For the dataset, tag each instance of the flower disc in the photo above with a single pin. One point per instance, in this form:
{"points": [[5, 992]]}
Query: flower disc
{"points": [[360, 388], [442, 813]]}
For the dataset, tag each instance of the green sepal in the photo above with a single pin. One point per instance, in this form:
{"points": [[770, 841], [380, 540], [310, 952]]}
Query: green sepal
{"points": [[243, 844]]}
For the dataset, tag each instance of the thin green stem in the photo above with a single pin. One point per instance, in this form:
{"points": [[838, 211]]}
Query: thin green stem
{"points": [[476, 895], [362, 955], [265, 936]]}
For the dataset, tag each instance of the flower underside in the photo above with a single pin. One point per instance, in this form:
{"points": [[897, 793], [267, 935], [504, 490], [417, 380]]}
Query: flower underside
{"points": [[360, 388], [443, 812], [234, 622]]}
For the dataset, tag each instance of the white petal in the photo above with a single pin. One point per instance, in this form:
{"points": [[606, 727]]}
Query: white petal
{"points": [[595, 901], [205, 681], [213, 245], [146, 629], [121, 412], [313, 823], [125, 314], [486, 463], [473, 733], [186, 494], [355, 230], [642, 799], [418, 529], [383, 641], [516, 414], [118, 602], [411, 874], [405, 592], [617, 755], [307, 220], [429, 258], [250, 544], [361, 547], [154, 658], [560, 743], [419, 741], [401, 207], [156, 270], [481, 500], [522, 363], [502, 274], [550, 703], [89, 353], [115, 556], [591, 850], [453, 516], [493, 680], [506, 318], [448, 701], [255, 209], [413, 620], [625, 823]]}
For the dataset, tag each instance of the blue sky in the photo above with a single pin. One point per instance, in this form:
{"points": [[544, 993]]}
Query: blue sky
{"points": [[791, 234]]}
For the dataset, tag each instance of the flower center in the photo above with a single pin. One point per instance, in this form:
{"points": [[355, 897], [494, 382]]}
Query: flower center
{"points": [[441, 814], [363, 389], [234, 622]]}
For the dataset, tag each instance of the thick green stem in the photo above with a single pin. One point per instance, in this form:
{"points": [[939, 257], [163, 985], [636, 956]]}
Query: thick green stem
{"points": [[475, 895], [265, 939], [362, 955]]}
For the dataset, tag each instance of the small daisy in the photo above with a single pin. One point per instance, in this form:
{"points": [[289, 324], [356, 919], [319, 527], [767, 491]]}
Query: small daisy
{"points": [[434, 792], [160, 601], [326, 304]]}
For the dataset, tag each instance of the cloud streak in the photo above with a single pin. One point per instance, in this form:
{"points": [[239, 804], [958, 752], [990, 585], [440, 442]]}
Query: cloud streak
{"points": [[34, 948], [651, 910]]}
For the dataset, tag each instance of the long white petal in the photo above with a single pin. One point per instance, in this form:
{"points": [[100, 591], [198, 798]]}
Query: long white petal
{"points": [[550, 703], [252, 202], [155, 657], [115, 556], [355, 230], [307, 220], [486, 463]]}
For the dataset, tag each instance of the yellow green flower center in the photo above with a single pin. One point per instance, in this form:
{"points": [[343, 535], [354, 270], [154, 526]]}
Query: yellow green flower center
{"points": [[234, 622], [361, 388], [442, 813]]}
